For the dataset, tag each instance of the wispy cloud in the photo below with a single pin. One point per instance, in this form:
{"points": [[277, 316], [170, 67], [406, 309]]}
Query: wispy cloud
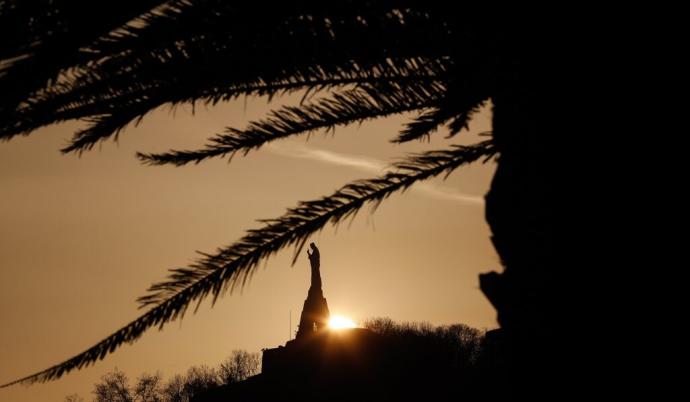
{"points": [[369, 165]]}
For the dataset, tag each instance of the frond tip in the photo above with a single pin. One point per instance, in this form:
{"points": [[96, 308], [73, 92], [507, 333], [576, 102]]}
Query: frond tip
{"points": [[232, 266]]}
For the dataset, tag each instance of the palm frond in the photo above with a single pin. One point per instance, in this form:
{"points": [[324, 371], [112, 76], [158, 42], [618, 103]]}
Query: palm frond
{"points": [[232, 266], [464, 98], [382, 83], [29, 27], [66, 103], [141, 64], [351, 106], [43, 38]]}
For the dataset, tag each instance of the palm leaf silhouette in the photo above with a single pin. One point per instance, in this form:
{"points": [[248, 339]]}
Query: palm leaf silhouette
{"points": [[367, 58]]}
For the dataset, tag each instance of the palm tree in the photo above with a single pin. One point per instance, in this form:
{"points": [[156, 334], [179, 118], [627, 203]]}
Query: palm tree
{"points": [[366, 59]]}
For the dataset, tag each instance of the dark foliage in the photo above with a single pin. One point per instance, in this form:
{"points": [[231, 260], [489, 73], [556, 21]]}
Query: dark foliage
{"points": [[114, 386], [456, 346]]}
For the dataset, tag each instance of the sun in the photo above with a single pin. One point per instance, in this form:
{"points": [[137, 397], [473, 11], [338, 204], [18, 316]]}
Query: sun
{"points": [[340, 322]]}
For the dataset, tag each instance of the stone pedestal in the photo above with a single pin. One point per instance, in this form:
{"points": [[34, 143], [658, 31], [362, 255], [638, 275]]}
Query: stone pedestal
{"points": [[315, 314]]}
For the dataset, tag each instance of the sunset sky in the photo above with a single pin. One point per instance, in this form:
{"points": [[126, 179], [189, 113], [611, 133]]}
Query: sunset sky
{"points": [[82, 237]]}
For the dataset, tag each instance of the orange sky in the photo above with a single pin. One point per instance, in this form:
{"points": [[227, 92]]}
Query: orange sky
{"points": [[81, 238]]}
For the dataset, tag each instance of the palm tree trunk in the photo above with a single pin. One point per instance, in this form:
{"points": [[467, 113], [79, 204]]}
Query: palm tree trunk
{"points": [[520, 211]]}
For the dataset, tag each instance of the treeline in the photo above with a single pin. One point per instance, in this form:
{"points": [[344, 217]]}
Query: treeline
{"points": [[115, 386], [428, 363], [429, 354], [458, 346]]}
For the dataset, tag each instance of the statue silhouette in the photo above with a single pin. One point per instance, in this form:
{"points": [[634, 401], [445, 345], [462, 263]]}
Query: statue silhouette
{"points": [[315, 261], [315, 312]]}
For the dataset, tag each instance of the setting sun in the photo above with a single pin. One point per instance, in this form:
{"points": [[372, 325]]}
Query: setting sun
{"points": [[340, 322]]}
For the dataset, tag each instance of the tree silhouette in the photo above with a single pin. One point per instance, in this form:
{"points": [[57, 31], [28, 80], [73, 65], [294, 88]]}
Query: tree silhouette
{"points": [[148, 388], [199, 379], [239, 366], [368, 60], [113, 387], [74, 398]]}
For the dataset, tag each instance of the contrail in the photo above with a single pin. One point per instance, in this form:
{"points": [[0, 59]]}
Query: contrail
{"points": [[369, 165]]}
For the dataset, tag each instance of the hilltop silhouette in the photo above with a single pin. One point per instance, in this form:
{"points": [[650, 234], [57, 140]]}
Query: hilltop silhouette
{"points": [[383, 361]]}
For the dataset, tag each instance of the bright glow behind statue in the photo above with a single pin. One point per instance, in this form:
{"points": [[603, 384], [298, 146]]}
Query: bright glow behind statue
{"points": [[340, 322]]}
